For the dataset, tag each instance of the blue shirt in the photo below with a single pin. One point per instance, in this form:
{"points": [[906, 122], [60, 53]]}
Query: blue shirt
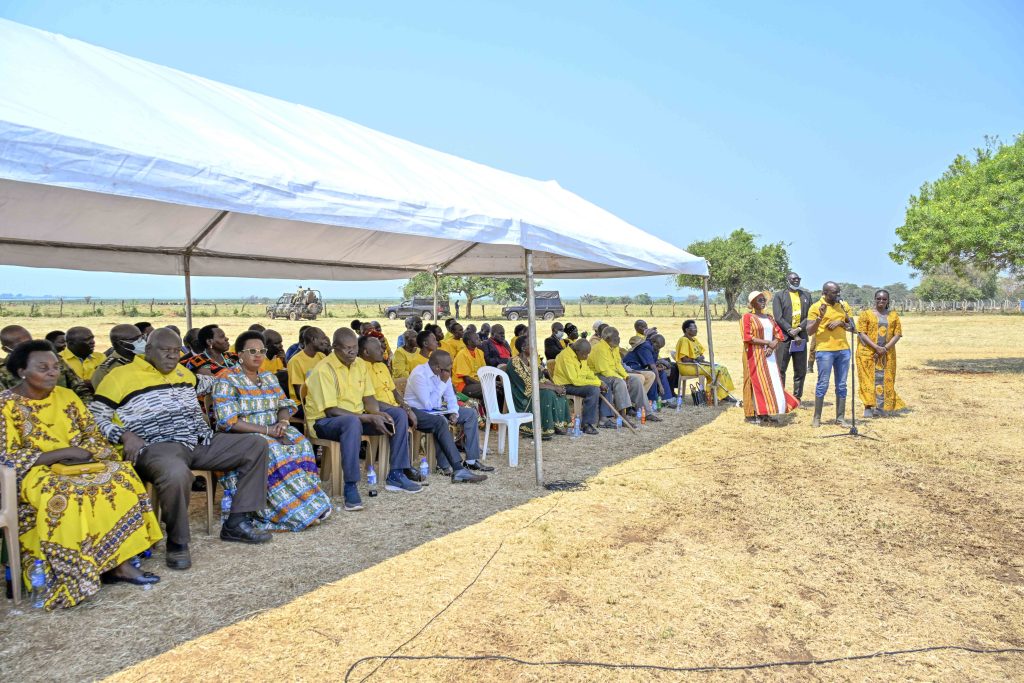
{"points": [[292, 350], [641, 357]]}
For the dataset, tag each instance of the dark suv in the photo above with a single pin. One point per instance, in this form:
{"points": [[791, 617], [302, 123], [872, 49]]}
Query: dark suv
{"points": [[419, 306], [549, 307]]}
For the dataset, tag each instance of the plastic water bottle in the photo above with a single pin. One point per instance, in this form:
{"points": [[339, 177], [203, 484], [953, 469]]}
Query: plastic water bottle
{"points": [[371, 480], [136, 562], [424, 469], [657, 404], [225, 505], [37, 579], [618, 424], [643, 416], [574, 432]]}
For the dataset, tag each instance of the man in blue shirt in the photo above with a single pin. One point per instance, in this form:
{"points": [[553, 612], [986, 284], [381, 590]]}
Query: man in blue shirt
{"points": [[644, 358]]}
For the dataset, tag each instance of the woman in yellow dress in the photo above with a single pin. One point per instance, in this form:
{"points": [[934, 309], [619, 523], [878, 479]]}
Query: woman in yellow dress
{"points": [[878, 331], [81, 511], [690, 362]]}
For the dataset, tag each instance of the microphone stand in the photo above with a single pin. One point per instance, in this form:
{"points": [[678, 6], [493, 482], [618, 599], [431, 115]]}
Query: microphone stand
{"points": [[853, 396]]}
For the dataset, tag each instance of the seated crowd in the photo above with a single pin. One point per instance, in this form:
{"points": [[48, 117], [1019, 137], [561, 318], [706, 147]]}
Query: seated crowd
{"points": [[86, 432]]}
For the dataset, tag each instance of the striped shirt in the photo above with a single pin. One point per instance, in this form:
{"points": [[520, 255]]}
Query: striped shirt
{"points": [[155, 407]]}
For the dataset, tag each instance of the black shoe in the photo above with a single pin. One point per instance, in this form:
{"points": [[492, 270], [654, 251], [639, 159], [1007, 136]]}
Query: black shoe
{"points": [[414, 475], [245, 532], [479, 467], [589, 429], [179, 559], [145, 579], [446, 471]]}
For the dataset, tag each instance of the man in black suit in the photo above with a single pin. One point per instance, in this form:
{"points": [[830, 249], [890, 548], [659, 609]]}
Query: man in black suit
{"points": [[790, 307]]}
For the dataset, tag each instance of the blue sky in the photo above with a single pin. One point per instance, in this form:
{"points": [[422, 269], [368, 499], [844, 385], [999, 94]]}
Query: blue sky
{"points": [[801, 122]]}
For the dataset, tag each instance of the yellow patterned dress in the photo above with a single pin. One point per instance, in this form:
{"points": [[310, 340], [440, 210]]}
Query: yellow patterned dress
{"points": [[876, 379], [80, 526]]}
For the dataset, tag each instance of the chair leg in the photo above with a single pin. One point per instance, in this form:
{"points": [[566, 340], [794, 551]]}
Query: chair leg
{"points": [[502, 427], [487, 437], [513, 444], [14, 561]]}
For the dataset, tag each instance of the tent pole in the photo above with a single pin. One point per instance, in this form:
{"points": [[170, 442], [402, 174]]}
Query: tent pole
{"points": [[711, 345], [434, 314], [531, 308], [188, 294]]}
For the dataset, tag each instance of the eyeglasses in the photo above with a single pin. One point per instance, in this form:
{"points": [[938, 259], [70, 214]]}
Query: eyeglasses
{"points": [[255, 352]]}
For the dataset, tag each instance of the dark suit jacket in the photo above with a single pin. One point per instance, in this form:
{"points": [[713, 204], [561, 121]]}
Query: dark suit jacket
{"points": [[782, 309]]}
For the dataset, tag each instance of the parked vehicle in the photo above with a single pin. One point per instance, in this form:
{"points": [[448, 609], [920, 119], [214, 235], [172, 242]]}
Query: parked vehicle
{"points": [[305, 304], [549, 307], [421, 306]]}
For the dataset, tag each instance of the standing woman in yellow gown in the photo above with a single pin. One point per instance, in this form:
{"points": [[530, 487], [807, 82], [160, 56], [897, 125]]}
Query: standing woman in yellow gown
{"points": [[878, 331], [81, 510]]}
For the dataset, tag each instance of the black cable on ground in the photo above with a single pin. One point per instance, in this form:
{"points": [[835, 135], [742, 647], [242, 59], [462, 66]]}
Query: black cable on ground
{"points": [[684, 669], [450, 602]]}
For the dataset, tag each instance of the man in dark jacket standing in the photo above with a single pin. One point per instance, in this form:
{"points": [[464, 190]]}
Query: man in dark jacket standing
{"points": [[790, 307]]}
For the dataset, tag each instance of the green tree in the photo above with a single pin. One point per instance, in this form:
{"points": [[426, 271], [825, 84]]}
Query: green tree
{"points": [[737, 266], [973, 214], [946, 285], [502, 290]]}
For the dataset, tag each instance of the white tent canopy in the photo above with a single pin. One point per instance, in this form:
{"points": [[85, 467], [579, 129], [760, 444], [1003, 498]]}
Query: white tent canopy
{"points": [[111, 163], [115, 164]]}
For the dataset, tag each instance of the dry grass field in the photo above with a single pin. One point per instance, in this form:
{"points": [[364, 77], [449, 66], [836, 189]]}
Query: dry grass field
{"points": [[703, 541]]}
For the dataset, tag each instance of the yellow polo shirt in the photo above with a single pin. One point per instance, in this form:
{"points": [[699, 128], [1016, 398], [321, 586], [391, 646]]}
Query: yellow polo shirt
{"points": [[688, 348], [404, 363], [571, 371], [383, 383], [332, 385], [794, 298], [465, 367], [604, 360], [452, 345], [831, 340], [272, 365], [83, 368], [299, 368]]}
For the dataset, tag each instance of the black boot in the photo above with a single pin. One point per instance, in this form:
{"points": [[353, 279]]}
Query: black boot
{"points": [[841, 412], [819, 402]]}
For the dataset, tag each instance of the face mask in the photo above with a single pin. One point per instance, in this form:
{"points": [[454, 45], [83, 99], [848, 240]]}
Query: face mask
{"points": [[137, 347], [559, 334]]}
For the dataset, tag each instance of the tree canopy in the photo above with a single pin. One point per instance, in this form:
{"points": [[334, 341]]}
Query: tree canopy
{"points": [[944, 284], [972, 215], [502, 290], [737, 266]]}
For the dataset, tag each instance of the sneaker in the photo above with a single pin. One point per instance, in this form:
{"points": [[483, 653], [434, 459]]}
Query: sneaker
{"points": [[414, 475], [465, 476], [479, 466], [353, 503], [607, 424], [446, 471], [397, 481]]}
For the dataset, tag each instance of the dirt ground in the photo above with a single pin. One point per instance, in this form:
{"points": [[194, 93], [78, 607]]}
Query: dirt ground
{"points": [[703, 541]]}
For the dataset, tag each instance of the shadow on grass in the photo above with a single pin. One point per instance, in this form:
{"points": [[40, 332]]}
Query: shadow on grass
{"points": [[231, 581], [977, 366]]}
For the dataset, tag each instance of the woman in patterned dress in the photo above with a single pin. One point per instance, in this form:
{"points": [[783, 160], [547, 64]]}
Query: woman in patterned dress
{"points": [[764, 395], [247, 401], [81, 510], [554, 407], [878, 331]]}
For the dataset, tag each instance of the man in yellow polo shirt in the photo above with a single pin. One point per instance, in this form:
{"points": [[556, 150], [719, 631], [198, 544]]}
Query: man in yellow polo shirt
{"points": [[80, 354], [407, 356], [341, 406], [274, 360], [452, 342], [573, 372], [466, 365], [791, 307], [627, 389], [315, 345], [830, 319]]}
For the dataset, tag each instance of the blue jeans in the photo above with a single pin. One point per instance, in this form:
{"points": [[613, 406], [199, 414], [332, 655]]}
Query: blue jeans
{"points": [[826, 360], [347, 430]]}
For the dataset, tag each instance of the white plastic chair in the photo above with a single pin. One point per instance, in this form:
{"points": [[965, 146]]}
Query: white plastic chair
{"points": [[509, 421], [9, 522]]}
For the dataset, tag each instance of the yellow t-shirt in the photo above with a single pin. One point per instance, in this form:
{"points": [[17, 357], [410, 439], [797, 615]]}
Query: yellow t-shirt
{"points": [[570, 371], [332, 385], [831, 340], [299, 368], [606, 361], [404, 363], [465, 367], [798, 310], [383, 383], [272, 365], [83, 368], [452, 346], [688, 348]]}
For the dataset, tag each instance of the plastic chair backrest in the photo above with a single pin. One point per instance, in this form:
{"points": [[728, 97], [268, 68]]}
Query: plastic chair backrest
{"points": [[487, 376]]}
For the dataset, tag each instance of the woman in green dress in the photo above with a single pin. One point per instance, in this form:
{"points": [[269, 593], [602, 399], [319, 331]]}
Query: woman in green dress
{"points": [[554, 407]]}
